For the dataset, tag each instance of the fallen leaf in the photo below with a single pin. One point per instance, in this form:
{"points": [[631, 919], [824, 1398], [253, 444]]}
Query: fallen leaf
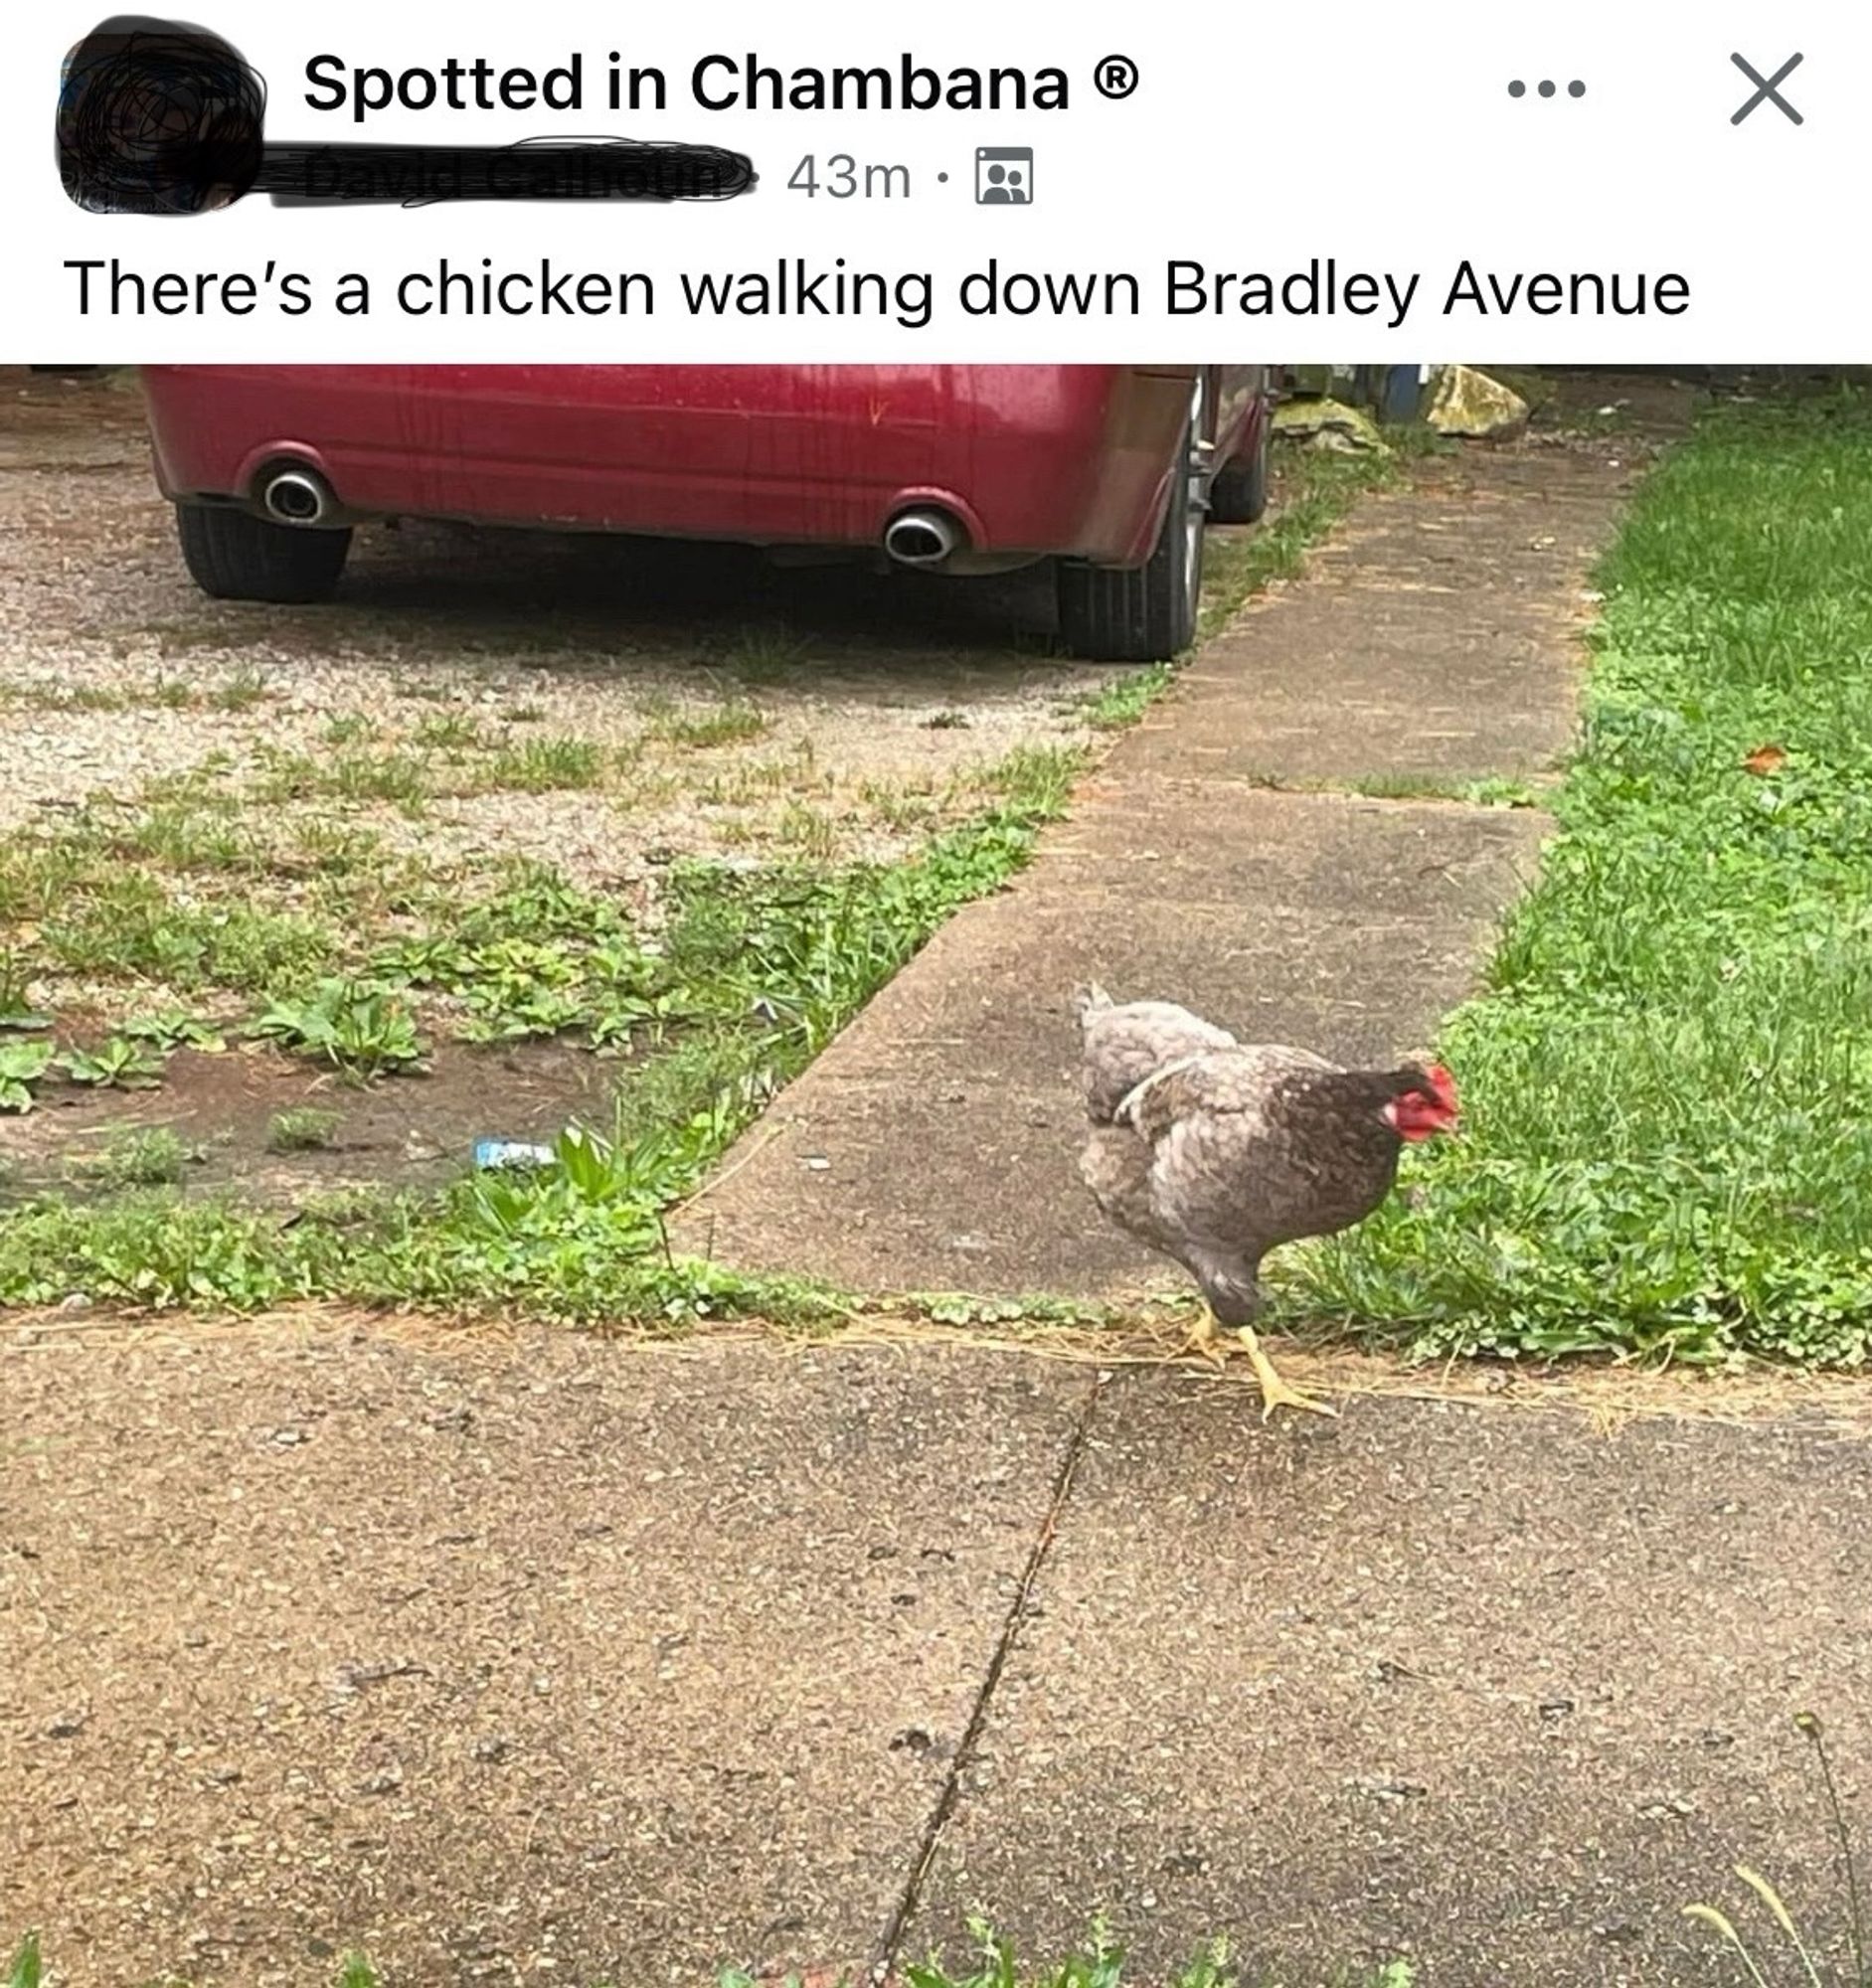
{"points": [[1765, 759]]}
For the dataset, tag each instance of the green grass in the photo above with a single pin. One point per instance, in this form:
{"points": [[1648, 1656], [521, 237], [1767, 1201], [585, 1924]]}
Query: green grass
{"points": [[537, 957], [349, 728], [1124, 700], [241, 692], [301, 1128], [401, 779], [188, 887], [1666, 1142], [28, 1970], [726, 724], [132, 928], [58, 697], [139, 1156], [448, 732], [358, 1027], [1098, 1961], [809, 831], [547, 766], [756, 972]]}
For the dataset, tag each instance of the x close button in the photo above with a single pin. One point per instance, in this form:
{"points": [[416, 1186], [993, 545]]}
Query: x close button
{"points": [[1768, 89]]}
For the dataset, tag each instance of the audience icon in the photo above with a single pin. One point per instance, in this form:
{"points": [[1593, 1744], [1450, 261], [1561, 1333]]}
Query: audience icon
{"points": [[1004, 175]]}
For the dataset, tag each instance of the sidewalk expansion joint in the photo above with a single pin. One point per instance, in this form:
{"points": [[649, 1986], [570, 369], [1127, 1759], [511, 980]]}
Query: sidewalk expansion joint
{"points": [[890, 1946]]}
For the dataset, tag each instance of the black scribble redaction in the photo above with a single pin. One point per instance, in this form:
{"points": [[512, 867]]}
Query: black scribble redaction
{"points": [[159, 118], [162, 118]]}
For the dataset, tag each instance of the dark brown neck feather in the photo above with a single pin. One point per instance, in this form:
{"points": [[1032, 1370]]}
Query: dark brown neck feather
{"points": [[1342, 1111]]}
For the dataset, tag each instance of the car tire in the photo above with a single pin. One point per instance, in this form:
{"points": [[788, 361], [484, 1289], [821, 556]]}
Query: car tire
{"points": [[1239, 494], [234, 555], [1146, 613]]}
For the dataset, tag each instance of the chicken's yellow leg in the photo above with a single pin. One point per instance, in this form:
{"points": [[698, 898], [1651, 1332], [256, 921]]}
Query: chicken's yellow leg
{"points": [[1275, 1391], [1205, 1341]]}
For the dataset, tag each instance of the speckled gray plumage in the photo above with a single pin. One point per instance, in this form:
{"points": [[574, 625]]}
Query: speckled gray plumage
{"points": [[1213, 1151], [1124, 1044]]}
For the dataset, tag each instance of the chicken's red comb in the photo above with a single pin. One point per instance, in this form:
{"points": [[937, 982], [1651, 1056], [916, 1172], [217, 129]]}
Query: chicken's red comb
{"points": [[1442, 1082]]}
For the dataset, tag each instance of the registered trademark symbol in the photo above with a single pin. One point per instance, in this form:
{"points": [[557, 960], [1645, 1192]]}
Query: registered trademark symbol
{"points": [[1115, 76]]}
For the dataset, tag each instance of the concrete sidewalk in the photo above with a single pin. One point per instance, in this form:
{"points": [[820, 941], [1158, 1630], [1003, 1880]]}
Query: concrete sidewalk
{"points": [[1434, 644], [1467, 1684], [564, 1661], [546, 1663]]}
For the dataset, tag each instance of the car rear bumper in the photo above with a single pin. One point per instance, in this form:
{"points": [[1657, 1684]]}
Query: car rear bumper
{"points": [[1032, 459]]}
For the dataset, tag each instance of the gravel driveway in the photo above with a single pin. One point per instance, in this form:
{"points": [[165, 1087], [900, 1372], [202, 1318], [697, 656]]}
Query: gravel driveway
{"points": [[868, 698]]}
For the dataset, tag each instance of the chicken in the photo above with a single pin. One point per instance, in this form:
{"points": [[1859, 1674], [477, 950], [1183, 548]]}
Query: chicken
{"points": [[1213, 1152]]}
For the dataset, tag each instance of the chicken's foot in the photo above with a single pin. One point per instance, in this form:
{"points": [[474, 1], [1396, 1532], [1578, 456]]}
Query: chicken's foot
{"points": [[1209, 1343], [1275, 1391], [1206, 1341]]}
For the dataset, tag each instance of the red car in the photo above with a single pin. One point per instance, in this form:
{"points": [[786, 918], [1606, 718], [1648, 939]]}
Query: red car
{"points": [[1110, 470]]}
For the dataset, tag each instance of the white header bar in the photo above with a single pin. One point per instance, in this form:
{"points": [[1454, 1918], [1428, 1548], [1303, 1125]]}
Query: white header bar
{"points": [[988, 183]]}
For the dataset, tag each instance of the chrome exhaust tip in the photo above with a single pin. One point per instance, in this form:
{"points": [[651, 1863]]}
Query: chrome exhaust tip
{"points": [[297, 497], [927, 538]]}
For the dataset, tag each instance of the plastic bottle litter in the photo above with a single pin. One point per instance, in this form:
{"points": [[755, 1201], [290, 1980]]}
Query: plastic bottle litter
{"points": [[493, 1153]]}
